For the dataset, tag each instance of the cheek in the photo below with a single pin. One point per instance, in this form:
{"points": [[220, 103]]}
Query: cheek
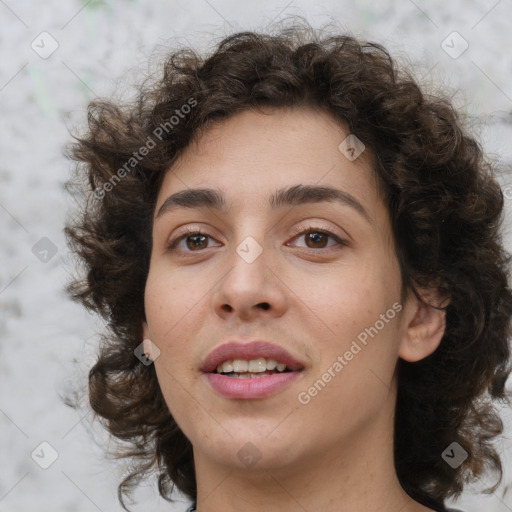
{"points": [[349, 298], [166, 316], [169, 298], [174, 305], [359, 309], [356, 370]]}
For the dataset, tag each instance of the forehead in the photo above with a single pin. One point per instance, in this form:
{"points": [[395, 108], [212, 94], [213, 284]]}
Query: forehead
{"points": [[255, 154]]}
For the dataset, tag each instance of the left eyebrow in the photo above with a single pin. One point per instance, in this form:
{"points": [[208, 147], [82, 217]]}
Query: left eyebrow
{"points": [[295, 195]]}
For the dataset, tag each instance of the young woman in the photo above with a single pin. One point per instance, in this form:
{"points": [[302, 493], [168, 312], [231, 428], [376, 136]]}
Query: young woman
{"points": [[298, 255]]}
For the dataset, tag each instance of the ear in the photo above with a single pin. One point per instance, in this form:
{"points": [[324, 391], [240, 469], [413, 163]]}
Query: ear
{"points": [[424, 325]]}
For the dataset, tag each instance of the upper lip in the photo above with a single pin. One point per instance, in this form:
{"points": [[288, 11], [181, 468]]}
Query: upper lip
{"points": [[247, 351]]}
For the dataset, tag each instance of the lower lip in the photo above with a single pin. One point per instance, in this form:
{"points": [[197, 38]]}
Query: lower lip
{"points": [[255, 387]]}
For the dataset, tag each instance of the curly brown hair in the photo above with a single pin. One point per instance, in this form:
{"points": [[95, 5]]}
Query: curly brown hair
{"points": [[446, 210]]}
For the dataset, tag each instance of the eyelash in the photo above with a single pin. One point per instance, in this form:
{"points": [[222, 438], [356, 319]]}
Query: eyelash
{"points": [[299, 232]]}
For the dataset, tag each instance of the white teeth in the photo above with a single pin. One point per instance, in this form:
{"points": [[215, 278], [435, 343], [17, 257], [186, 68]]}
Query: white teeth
{"points": [[271, 364], [259, 365], [240, 366]]}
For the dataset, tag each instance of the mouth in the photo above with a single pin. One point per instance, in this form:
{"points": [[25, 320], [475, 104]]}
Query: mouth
{"points": [[252, 370]]}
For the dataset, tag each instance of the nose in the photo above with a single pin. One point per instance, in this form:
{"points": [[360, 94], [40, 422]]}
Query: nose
{"points": [[250, 286]]}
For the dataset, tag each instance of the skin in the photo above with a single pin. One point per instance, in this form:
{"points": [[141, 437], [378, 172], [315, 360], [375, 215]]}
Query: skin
{"points": [[336, 452]]}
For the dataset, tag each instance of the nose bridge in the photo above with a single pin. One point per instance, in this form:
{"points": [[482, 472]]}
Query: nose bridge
{"points": [[250, 246]]}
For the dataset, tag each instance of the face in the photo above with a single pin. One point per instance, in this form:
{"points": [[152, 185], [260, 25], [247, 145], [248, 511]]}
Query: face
{"points": [[317, 277]]}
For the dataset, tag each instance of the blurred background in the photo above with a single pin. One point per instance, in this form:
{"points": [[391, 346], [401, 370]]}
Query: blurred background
{"points": [[55, 57]]}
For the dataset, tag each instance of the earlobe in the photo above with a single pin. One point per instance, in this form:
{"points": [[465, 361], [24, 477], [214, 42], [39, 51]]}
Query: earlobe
{"points": [[424, 330]]}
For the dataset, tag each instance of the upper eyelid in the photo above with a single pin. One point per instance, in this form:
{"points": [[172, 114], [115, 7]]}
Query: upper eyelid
{"points": [[191, 227], [296, 231]]}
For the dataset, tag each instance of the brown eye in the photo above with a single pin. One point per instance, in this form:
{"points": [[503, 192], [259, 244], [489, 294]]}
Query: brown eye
{"points": [[317, 239], [198, 241], [194, 240]]}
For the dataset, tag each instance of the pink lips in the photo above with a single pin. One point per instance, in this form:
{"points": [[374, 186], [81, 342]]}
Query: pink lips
{"points": [[251, 388]]}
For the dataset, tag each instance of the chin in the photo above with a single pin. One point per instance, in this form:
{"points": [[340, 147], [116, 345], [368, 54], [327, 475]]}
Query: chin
{"points": [[249, 447]]}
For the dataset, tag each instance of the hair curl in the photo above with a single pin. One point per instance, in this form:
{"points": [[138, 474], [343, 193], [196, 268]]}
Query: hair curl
{"points": [[446, 211]]}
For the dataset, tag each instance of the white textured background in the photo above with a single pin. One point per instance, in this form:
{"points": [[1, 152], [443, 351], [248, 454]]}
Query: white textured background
{"points": [[47, 343]]}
